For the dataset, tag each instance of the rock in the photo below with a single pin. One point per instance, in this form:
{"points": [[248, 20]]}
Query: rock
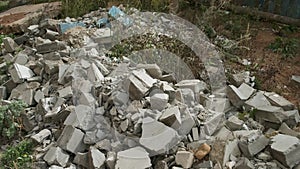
{"points": [[236, 97], [120, 98], [82, 159], [50, 47], [234, 123], [111, 159], [184, 158], [186, 96], [56, 155], [9, 44], [252, 144], [135, 88], [296, 79], [20, 73], [214, 123], [246, 90], [270, 113], [97, 158], [3, 93], [41, 136], [284, 129], [71, 140], [65, 92], [21, 58], [147, 80], [195, 85], [279, 101], [224, 134], [156, 136], [8, 57], [187, 121], [218, 104], [159, 101], [258, 100], [94, 74], [195, 133], [286, 149], [133, 158], [244, 163], [152, 69], [293, 118], [202, 151], [171, 117]]}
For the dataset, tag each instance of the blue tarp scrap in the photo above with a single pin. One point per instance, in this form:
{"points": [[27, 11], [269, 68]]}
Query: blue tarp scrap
{"points": [[119, 15], [66, 26]]}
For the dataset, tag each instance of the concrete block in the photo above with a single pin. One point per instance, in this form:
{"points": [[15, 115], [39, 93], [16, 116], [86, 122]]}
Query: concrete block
{"points": [[21, 58], [142, 75], [133, 158], [218, 104], [236, 97], [41, 136], [71, 140], [246, 90], [184, 159], [20, 73], [159, 101], [214, 123], [258, 100], [120, 98], [279, 101], [96, 157], [194, 84], [171, 117], [50, 47], [87, 99], [82, 117], [153, 132], [136, 88], [234, 123], [187, 121], [103, 36], [293, 118], [253, 144], [270, 113], [94, 74], [286, 149], [285, 129], [56, 155], [9, 44], [186, 96], [244, 163], [152, 69], [65, 92], [82, 159]]}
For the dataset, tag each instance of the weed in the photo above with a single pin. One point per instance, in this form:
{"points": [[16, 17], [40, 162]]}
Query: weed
{"points": [[247, 114], [287, 47], [10, 118], [18, 156]]}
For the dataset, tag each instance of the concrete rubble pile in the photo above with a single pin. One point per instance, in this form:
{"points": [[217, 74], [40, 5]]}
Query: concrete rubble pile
{"points": [[87, 110]]}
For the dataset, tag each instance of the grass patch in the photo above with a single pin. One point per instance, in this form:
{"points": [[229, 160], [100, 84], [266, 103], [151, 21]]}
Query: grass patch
{"points": [[18, 156], [287, 47]]}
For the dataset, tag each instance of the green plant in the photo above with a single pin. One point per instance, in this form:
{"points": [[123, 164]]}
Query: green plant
{"points": [[10, 118], [287, 47], [18, 156], [246, 114], [76, 8]]}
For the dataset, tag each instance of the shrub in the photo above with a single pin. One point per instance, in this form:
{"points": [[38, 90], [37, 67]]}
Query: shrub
{"points": [[10, 118]]}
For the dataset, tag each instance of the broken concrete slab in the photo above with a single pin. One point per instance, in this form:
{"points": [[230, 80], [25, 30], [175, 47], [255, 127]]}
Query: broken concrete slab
{"points": [[236, 97], [71, 140], [286, 149], [82, 159], [56, 155], [20, 73], [159, 101], [50, 47], [234, 123], [96, 157], [153, 132], [217, 104], [258, 100], [133, 158], [21, 58], [94, 74], [195, 85], [152, 69], [65, 92], [244, 163], [214, 123], [285, 129], [253, 145], [270, 113], [279, 101], [142, 75], [171, 117], [9, 44], [293, 118], [135, 87], [41, 136], [187, 121], [186, 96], [184, 159], [246, 90]]}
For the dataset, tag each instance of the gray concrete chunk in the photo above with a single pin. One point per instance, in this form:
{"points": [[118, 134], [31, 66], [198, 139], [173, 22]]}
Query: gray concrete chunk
{"points": [[184, 159], [136, 157], [280, 101], [82, 159], [159, 101], [258, 100], [252, 144], [142, 75], [65, 92], [234, 123], [82, 117], [293, 118], [152, 69], [9, 44], [56, 155], [71, 140], [171, 117], [246, 90], [136, 88], [97, 158], [236, 97], [214, 123], [270, 113], [20, 73], [94, 74], [42, 135], [156, 136], [194, 84], [21, 58], [50, 47], [244, 163], [286, 149]]}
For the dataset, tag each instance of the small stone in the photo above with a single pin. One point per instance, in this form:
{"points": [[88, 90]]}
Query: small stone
{"points": [[50, 47], [111, 159], [214, 123], [195, 133], [184, 158], [97, 158], [152, 69], [41, 136], [21, 58], [56, 155], [202, 151], [159, 101]]}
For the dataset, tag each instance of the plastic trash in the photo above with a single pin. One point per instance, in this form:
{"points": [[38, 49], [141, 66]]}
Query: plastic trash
{"points": [[66, 26], [119, 15]]}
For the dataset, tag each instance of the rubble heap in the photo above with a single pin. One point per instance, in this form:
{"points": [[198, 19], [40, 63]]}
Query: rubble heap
{"points": [[86, 110]]}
